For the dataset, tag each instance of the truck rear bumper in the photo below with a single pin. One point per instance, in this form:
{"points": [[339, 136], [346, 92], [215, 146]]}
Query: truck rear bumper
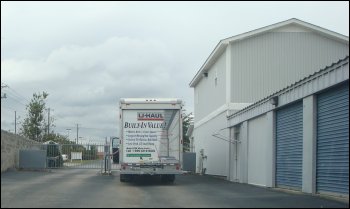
{"points": [[143, 172], [150, 169]]}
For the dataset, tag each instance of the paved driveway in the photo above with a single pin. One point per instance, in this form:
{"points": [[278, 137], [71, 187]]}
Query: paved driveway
{"points": [[87, 188]]}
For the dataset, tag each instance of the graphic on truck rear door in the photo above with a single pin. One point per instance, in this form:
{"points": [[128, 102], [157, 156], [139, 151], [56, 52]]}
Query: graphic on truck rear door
{"points": [[149, 135]]}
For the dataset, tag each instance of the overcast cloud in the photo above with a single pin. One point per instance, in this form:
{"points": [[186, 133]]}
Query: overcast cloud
{"points": [[87, 55]]}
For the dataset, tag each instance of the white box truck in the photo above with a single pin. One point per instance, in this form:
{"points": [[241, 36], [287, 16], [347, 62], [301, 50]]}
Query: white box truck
{"points": [[150, 138]]}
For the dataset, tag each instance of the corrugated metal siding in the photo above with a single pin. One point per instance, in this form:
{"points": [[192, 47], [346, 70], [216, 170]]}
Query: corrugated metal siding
{"points": [[211, 97], [289, 146], [263, 64], [324, 79], [332, 171]]}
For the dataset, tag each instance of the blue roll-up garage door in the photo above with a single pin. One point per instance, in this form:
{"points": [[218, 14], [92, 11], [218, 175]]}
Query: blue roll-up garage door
{"points": [[332, 168], [289, 146]]}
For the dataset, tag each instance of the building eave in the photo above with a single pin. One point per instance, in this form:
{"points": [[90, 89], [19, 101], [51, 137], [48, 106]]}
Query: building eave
{"points": [[221, 46], [215, 54]]}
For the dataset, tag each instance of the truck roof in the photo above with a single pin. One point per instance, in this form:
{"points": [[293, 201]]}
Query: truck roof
{"points": [[151, 100]]}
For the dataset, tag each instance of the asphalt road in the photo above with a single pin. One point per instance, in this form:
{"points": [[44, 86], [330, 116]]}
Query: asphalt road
{"points": [[87, 188]]}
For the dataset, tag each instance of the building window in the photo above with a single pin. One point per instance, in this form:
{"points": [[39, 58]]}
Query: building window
{"points": [[216, 77]]}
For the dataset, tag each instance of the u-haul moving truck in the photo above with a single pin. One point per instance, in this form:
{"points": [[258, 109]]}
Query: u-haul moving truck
{"points": [[150, 138]]}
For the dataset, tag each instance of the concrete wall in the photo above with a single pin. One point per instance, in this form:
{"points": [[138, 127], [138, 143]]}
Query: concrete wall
{"points": [[10, 146]]}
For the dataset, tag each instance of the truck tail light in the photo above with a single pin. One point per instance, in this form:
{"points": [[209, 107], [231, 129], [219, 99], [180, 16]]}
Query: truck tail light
{"points": [[124, 166], [177, 167]]}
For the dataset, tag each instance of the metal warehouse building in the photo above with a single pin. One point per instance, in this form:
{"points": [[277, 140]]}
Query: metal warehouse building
{"points": [[297, 138]]}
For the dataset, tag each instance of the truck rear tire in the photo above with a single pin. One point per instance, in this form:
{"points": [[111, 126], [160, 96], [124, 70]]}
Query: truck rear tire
{"points": [[168, 178], [121, 178], [171, 178], [124, 178]]}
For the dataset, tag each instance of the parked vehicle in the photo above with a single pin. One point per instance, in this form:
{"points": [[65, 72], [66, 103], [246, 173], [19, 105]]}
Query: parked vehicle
{"points": [[151, 138], [53, 154], [65, 157], [115, 149]]}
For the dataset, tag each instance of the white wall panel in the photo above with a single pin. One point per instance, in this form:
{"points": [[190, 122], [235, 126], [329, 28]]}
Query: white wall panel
{"points": [[215, 149], [257, 150], [264, 64]]}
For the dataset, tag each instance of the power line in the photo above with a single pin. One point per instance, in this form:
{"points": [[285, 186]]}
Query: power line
{"points": [[22, 111], [3, 86], [7, 107], [20, 95], [97, 128], [61, 117], [14, 92], [14, 96], [19, 102], [82, 127]]}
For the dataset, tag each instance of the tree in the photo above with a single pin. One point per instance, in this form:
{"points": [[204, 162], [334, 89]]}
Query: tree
{"points": [[34, 125], [58, 138], [186, 122]]}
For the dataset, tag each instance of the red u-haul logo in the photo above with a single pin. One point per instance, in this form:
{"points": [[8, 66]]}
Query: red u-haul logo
{"points": [[149, 116]]}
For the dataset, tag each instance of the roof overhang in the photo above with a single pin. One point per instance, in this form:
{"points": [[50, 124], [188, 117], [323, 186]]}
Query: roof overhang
{"points": [[219, 49]]}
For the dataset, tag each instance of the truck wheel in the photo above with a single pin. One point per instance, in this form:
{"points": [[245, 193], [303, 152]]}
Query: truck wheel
{"points": [[171, 178], [126, 177], [122, 178]]}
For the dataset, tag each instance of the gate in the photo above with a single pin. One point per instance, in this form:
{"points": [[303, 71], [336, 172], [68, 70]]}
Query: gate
{"points": [[71, 156]]}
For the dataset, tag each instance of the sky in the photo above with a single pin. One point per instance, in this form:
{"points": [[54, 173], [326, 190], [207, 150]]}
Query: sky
{"points": [[88, 55]]}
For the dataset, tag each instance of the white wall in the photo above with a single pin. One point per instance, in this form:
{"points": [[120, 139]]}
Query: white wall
{"points": [[207, 96], [238, 162], [309, 144], [269, 62], [257, 150], [215, 149]]}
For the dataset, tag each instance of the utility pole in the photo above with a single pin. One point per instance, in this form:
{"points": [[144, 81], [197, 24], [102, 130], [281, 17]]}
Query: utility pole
{"points": [[15, 123], [48, 122], [77, 132], [68, 130], [3, 96], [16, 118]]}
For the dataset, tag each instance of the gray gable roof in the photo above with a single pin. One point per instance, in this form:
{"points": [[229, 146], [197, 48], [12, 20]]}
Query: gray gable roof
{"points": [[221, 46]]}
